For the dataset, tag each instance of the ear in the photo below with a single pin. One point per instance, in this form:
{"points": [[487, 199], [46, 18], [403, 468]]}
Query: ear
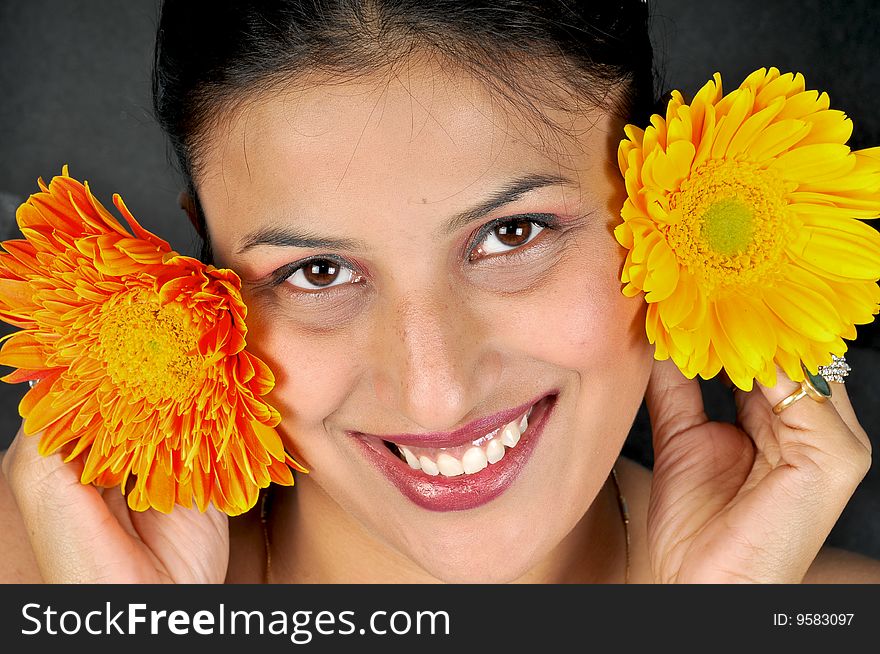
{"points": [[188, 203]]}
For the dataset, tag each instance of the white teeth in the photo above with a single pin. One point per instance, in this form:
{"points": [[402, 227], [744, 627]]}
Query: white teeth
{"points": [[510, 434], [429, 466], [474, 460], [449, 466], [411, 459], [494, 451]]}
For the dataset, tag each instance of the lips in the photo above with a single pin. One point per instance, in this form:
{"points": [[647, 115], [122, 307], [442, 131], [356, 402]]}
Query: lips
{"points": [[456, 493], [467, 434]]}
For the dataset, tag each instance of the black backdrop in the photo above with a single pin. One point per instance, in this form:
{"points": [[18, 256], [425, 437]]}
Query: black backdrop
{"points": [[74, 78]]}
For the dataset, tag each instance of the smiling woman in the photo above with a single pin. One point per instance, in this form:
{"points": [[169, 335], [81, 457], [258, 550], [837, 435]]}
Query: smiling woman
{"points": [[420, 199], [403, 298]]}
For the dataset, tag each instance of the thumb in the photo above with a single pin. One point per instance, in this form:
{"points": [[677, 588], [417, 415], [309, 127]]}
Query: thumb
{"points": [[675, 403]]}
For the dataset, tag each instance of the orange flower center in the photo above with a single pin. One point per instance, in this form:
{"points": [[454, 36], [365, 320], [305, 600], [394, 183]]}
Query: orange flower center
{"points": [[734, 225], [149, 348]]}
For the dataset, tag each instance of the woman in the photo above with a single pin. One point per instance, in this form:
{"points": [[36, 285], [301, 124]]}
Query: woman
{"points": [[419, 198]]}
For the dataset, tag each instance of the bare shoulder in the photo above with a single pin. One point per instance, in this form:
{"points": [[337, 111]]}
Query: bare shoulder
{"points": [[19, 566], [835, 565]]}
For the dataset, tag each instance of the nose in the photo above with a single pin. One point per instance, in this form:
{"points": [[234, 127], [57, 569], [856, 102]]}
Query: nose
{"points": [[434, 361]]}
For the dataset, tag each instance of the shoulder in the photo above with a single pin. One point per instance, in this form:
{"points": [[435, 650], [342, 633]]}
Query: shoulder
{"points": [[19, 566], [833, 565]]}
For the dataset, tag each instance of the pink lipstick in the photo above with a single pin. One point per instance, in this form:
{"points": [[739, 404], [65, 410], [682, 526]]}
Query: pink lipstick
{"points": [[451, 489]]}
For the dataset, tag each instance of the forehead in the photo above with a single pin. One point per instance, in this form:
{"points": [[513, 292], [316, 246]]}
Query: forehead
{"points": [[422, 134]]}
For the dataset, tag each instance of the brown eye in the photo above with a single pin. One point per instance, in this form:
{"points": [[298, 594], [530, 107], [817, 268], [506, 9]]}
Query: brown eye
{"points": [[514, 234], [509, 235], [321, 273]]}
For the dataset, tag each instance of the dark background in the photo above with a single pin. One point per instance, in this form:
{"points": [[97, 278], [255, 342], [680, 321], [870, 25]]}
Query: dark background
{"points": [[74, 78]]}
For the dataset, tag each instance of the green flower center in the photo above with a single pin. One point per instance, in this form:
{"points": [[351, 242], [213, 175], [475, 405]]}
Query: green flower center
{"points": [[728, 226], [734, 224]]}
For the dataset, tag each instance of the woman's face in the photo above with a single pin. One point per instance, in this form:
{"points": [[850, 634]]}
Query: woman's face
{"points": [[421, 267]]}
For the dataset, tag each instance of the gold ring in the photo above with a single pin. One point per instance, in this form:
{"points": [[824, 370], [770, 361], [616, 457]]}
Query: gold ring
{"points": [[814, 386]]}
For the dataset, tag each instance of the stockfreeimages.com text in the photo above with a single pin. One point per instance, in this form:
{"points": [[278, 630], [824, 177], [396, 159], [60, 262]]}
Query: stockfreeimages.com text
{"points": [[300, 626]]}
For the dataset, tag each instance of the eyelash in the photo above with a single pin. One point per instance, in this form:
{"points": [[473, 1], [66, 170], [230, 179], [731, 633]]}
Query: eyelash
{"points": [[544, 221]]}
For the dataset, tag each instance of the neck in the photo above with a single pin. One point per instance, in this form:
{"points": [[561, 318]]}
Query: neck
{"points": [[313, 540]]}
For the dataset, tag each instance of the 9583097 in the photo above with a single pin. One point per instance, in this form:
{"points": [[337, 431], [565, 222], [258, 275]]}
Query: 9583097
{"points": [[812, 619]]}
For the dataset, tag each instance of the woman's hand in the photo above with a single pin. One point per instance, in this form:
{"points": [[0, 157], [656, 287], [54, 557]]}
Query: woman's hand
{"points": [[751, 502], [83, 534]]}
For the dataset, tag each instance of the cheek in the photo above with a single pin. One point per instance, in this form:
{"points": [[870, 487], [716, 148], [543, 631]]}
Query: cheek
{"points": [[580, 319], [313, 372]]}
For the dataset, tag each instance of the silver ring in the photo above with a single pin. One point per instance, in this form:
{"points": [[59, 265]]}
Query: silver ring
{"points": [[836, 370]]}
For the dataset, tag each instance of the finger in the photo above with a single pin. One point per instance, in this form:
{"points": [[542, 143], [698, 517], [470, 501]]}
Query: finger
{"points": [[806, 413], [675, 403], [840, 400], [117, 505], [755, 416], [817, 424], [63, 517], [751, 411], [201, 538]]}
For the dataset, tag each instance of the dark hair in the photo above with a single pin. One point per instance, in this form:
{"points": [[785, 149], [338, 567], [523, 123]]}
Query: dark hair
{"points": [[213, 55]]}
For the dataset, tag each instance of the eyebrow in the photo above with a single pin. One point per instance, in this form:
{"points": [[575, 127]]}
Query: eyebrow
{"points": [[510, 192]]}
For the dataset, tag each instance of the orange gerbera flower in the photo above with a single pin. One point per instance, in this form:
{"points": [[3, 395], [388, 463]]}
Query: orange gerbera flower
{"points": [[139, 353]]}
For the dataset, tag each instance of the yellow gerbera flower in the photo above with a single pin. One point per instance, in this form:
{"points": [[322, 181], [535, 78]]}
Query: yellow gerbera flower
{"points": [[741, 225], [139, 353]]}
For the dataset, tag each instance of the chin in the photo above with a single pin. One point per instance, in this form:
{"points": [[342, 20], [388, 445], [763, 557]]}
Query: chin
{"points": [[477, 570], [483, 556]]}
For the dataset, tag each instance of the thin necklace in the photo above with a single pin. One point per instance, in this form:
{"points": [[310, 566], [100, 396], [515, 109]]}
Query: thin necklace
{"points": [[266, 505], [624, 515]]}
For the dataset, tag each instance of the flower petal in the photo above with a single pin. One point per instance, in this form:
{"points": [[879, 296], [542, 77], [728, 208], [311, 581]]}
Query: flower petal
{"points": [[112, 323], [850, 250], [803, 310], [812, 163]]}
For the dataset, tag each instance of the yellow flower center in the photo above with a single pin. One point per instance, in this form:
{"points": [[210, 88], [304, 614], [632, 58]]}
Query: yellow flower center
{"points": [[148, 347], [734, 224]]}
